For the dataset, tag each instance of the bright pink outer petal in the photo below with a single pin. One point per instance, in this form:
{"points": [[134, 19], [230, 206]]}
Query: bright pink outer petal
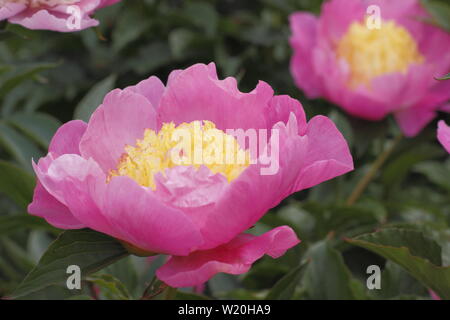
{"points": [[73, 181], [235, 257], [11, 9], [303, 39], [65, 140], [144, 221], [45, 20], [413, 120], [281, 107], [119, 121], [444, 135], [327, 156], [44, 205], [151, 88], [197, 94], [336, 17]]}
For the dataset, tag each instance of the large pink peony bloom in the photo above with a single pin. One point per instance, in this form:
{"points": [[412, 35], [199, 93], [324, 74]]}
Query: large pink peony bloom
{"points": [[444, 135], [369, 72], [112, 174], [56, 15]]}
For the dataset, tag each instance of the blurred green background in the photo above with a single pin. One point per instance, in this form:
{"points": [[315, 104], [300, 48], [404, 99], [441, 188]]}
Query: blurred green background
{"points": [[49, 78]]}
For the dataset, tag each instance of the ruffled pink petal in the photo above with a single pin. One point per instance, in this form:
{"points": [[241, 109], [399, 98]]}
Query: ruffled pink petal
{"points": [[197, 94], [235, 257], [73, 181], [119, 121], [413, 120], [336, 17], [67, 138], [280, 108], [11, 9], [444, 135], [65, 141], [45, 20], [54, 212], [327, 156], [144, 221], [303, 40], [151, 88]]}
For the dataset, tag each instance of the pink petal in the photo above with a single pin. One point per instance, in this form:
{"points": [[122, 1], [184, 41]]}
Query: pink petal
{"points": [[67, 138], [45, 20], [119, 121], [303, 40], [151, 88], [413, 120], [196, 94], [11, 9], [144, 221], [327, 156], [235, 257], [65, 141], [46, 206], [444, 135]]}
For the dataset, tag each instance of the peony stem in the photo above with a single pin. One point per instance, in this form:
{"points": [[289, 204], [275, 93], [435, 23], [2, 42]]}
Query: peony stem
{"points": [[170, 293], [376, 165]]}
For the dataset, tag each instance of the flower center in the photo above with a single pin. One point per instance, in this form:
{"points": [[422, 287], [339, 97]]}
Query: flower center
{"points": [[40, 3], [189, 144], [374, 52]]}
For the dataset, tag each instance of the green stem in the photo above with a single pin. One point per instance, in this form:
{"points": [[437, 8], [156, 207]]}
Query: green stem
{"points": [[367, 178], [170, 293]]}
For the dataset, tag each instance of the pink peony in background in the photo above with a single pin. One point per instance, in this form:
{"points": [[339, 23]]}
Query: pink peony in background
{"points": [[99, 175], [371, 73], [444, 135], [52, 15]]}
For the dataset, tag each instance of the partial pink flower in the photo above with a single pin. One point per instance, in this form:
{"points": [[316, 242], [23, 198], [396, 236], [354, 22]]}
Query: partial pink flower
{"points": [[55, 15], [371, 72], [114, 174], [444, 135]]}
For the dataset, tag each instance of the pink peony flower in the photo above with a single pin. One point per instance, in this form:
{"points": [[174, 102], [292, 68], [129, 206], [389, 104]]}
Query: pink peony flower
{"points": [[56, 15], [116, 175], [444, 135], [371, 72]]}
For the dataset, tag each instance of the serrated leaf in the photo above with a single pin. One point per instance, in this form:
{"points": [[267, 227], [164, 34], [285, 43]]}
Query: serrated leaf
{"points": [[90, 250], [418, 255]]}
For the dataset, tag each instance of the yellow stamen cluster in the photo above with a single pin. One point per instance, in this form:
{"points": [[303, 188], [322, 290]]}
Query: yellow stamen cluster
{"points": [[196, 143], [374, 52]]}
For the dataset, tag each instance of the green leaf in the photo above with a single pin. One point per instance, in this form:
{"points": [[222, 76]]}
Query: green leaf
{"points": [[436, 172], [110, 287], [21, 148], [446, 77], [22, 74], [90, 250], [16, 183], [12, 223], [418, 255], [284, 289], [94, 98], [327, 277], [440, 11], [39, 126]]}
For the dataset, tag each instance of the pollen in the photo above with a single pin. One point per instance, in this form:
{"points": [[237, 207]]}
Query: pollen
{"points": [[375, 52], [190, 144]]}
